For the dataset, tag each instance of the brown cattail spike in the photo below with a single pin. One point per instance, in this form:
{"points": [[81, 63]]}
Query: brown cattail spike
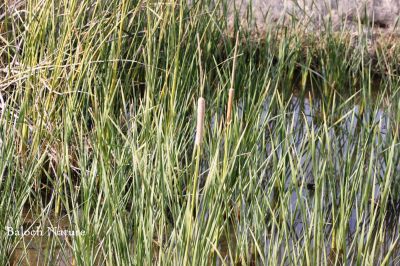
{"points": [[230, 102], [201, 107]]}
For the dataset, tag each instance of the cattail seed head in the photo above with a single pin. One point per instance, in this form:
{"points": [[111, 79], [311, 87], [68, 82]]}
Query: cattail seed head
{"points": [[201, 107], [230, 102]]}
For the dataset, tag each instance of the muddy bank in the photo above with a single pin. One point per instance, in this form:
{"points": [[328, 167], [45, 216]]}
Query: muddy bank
{"points": [[380, 15]]}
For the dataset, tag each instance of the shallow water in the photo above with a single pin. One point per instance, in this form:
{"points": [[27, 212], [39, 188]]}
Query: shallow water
{"points": [[42, 241], [344, 138]]}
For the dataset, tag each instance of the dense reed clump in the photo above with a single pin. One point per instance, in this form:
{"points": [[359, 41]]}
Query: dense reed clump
{"points": [[297, 159]]}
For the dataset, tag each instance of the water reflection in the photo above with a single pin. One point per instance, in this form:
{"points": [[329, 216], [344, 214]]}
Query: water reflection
{"points": [[344, 136]]}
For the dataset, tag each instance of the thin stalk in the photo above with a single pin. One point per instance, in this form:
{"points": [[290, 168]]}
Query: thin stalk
{"points": [[232, 90]]}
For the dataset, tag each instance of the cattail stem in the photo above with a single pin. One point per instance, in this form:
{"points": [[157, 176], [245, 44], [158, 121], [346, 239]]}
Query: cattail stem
{"points": [[230, 102], [201, 107]]}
